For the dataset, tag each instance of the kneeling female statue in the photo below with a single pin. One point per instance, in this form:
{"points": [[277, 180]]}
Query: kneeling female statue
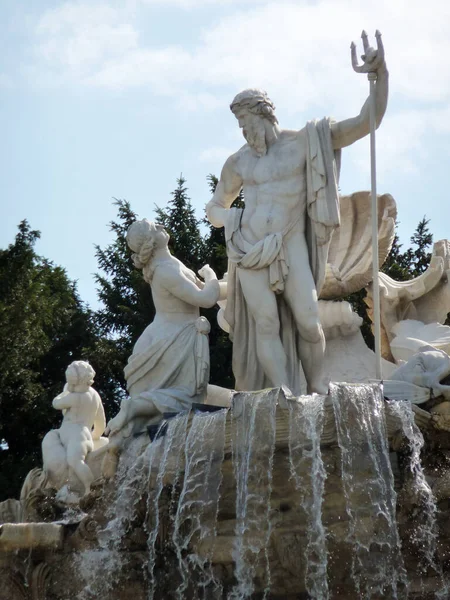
{"points": [[169, 367]]}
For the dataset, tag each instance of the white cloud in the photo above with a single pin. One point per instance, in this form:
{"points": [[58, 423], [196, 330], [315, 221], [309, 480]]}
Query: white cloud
{"points": [[298, 51], [216, 155], [203, 101], [188, 4], [76, 38], [399, 148], [6, 81]]}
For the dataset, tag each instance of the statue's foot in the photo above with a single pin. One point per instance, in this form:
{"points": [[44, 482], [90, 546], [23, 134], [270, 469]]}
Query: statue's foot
{"points": [[321, 387], [66, 496], [116, 424]]}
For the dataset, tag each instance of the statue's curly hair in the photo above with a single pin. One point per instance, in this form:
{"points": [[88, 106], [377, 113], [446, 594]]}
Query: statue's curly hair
{"points": [[142, 258], [140, 239], [256, 102], [79, 372]]}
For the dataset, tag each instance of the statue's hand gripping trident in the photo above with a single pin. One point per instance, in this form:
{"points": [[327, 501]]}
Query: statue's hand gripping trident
{"points": [[372, 58]]}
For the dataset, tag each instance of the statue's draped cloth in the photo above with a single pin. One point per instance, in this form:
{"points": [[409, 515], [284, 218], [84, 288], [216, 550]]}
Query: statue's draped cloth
{"points": [[322, 217], [170, 364]]}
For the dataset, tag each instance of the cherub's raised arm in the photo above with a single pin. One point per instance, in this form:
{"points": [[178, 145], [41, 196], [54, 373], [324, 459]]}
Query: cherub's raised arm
{"points": [[227, 190], [180, 286], [350, 130]]}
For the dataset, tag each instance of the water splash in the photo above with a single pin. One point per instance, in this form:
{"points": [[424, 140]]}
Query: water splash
{"points": [[305, 430], [171, 451], [198, 505], [100, 569], [253, 445], [377, 564], [426, 528]]}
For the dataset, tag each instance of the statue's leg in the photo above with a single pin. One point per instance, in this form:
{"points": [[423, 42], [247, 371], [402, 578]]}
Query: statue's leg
{"points": [[76, 454], [129, 409], [301, 296], [121, 419], [262, 306]]}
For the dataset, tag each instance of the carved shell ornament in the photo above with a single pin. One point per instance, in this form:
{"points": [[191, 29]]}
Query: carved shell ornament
{"points": [[349, 266]]}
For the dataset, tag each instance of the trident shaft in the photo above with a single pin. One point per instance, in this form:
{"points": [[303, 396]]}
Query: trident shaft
{"points": [[371, 60], [375, 264]]}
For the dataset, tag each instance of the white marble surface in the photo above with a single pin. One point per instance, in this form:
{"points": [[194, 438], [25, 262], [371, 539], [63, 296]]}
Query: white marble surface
{"points": [[413, 312], [290, 182], [421, 377], [65, 449], [349, 263], [169, 367]]}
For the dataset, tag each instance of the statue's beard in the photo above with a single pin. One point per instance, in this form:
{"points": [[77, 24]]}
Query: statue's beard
{"points": [[255, 134]]}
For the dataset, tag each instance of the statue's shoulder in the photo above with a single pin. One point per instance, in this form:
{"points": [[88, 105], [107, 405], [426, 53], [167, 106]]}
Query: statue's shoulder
{"points": [[235, 159], [166, 271], [293, 134]]}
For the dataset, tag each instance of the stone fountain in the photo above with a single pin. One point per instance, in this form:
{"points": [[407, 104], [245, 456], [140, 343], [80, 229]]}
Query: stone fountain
{"points": [[313, 479]]}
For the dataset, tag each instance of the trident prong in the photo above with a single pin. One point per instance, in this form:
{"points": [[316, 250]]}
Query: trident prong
{"points": [[372, 58], [365, 40]]}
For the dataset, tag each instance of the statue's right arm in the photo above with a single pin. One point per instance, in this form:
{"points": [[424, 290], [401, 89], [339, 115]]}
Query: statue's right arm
{"points": [[181, 287], [227, 190]]}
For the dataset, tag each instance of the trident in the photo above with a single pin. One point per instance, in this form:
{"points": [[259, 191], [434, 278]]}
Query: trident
{"points": [[371, 60]]}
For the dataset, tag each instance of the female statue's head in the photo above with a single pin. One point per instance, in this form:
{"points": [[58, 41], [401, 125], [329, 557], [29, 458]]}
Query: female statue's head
{"points": [[144, 238]]}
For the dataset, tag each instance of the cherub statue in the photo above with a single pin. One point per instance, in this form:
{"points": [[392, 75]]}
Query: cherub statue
{"points": [[80, 432]]}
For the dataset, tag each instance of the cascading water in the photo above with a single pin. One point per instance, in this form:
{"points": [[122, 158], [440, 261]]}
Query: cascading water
{"points": [[172, 446], [198, 505], [305, 430], [254, 432], [426, 529], [377, 565], [180, 474], [100, 568]]}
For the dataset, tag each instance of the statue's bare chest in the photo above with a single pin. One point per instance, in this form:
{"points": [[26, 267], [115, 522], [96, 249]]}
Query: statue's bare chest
{"points": [[284, 161]]}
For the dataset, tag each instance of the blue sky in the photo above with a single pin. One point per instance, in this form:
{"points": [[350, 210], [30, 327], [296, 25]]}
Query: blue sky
{"points": [[116, 99]]}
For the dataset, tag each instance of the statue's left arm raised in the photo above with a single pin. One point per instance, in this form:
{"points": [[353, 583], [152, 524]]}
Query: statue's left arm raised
{"points": [[350, 130]]}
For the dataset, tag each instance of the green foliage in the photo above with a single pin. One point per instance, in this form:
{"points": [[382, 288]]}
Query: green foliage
{"points": [[215, 238], [44, 326], [194, 250], [127, 310], [179, 220]]}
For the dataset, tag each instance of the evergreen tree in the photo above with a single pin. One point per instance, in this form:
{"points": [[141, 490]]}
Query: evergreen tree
{"points": [[43, 327], [403, 266], [127, 310], [216, 251], [179, 220], [188, 245], [420, 258]]}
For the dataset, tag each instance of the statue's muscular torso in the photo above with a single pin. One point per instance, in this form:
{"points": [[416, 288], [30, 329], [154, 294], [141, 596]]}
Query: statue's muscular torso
{"points": [[274, 186]]}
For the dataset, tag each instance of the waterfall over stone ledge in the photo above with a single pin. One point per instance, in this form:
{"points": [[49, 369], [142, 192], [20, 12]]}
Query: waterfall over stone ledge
{"points": [[275, 498]]}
